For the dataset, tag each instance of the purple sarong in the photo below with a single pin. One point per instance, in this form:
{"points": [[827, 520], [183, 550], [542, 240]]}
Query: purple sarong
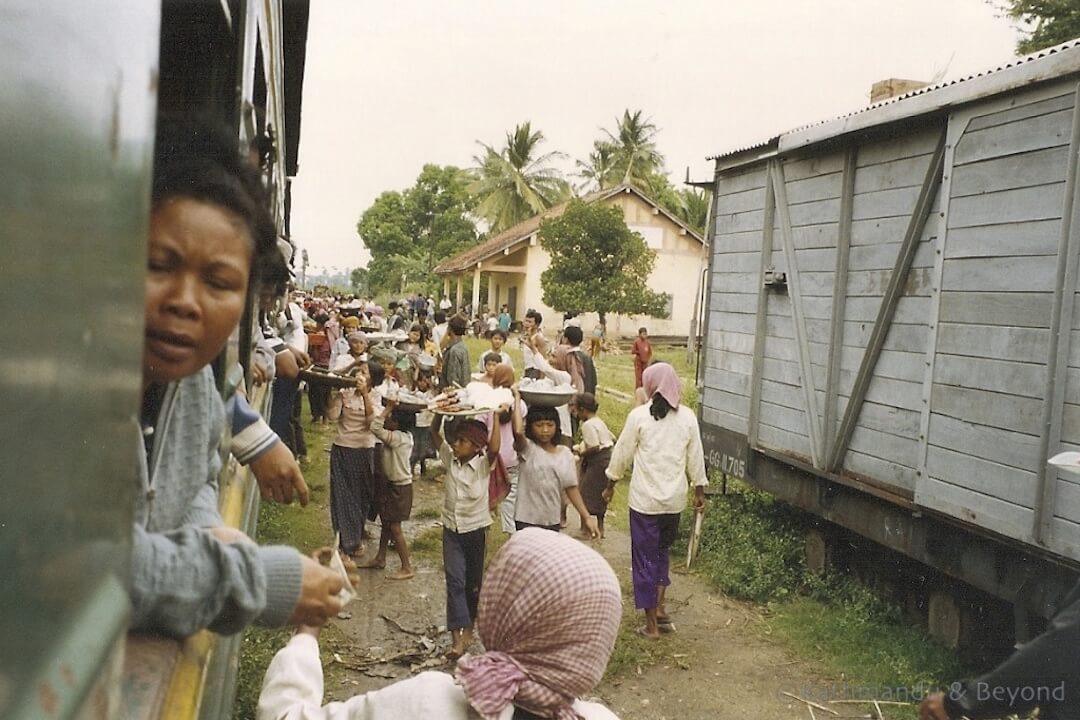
{"points": [[650, 538]]}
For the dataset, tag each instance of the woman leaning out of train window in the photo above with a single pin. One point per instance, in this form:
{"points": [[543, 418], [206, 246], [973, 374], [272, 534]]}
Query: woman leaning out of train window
{"points": [[209, 233]]}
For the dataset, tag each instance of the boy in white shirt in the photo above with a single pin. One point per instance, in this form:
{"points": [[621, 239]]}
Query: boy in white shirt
{"points": [[394, 502], [468, 459]]}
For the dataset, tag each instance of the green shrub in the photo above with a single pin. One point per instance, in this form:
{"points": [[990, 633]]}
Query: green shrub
{"points": [[751, 544], [752, 547]]}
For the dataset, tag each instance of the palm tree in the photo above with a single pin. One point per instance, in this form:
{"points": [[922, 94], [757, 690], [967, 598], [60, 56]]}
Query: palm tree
{"points": [[598, 170], [694, 208], [513, 184], [635, 153]]}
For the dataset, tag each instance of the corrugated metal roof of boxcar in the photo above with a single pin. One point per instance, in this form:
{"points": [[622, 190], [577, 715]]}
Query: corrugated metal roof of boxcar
{"points": [[871, 110]]}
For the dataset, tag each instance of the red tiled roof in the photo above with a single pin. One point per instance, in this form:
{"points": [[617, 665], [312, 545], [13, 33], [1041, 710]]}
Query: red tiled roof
{"points": [[511, 236]]}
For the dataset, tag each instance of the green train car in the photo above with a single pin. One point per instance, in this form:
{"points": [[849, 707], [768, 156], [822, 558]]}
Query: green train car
{"points": [[84, 85]]}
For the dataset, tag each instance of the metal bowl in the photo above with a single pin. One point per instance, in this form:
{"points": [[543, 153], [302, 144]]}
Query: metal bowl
{"points": [[546, 398]]}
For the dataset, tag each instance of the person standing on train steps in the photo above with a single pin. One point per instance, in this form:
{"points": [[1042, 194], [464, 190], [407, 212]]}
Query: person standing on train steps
{"points": [[663, 441], [208, 234], [287, 397]]}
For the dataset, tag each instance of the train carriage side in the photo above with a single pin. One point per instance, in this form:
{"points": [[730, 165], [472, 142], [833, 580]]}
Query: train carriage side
{"points": [[885, 299], [88, 81]]}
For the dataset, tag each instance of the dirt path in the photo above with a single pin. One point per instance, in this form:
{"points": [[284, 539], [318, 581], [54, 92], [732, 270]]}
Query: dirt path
{"points": [[719, 664]]}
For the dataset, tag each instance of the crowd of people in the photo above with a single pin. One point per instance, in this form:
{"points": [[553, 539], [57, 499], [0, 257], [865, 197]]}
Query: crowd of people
{"points": [[547, 609], [210, 241]]}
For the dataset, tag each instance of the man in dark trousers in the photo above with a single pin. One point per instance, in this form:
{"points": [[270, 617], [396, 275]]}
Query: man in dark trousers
{"points": [[455, 354]]}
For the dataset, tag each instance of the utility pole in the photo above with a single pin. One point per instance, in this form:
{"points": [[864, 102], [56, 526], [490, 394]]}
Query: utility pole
{"points": [[303, 270]]}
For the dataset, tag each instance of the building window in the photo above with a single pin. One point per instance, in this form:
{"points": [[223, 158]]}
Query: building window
{"points": [[654, 236]]}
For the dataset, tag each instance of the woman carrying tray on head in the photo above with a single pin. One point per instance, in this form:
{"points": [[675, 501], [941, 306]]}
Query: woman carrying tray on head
{"points": [[559, 376]]}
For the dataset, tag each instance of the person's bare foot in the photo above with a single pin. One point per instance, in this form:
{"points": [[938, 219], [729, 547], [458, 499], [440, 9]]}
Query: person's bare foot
{"points": [[462, 638], [401, 574], [372, 564], [643, 631]]}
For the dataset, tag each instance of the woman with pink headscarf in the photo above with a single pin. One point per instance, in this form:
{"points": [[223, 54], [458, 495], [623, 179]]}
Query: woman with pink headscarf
{"points": [[663, 442], [549, 613]]}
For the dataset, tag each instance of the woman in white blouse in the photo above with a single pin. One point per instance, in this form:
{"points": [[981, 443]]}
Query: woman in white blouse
{"points": [[663, 442]]}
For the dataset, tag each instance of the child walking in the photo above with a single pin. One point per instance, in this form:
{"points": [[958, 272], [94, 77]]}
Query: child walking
{"points": [[595, 453], [546, 470], [502, 376], [422, 449], [394, 503], [468, 459]]}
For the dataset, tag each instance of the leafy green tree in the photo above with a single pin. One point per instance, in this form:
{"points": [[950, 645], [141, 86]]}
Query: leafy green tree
{"points": [[634, 146], [358, 279], [1054, 21], [411, 231], [515, 183], [597, 263], [693, 208], [598, 171], [659, 188], [688, 204]]}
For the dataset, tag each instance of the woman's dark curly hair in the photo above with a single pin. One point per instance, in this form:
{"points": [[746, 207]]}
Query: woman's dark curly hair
{"points": [[201, 161], [542, 413]]}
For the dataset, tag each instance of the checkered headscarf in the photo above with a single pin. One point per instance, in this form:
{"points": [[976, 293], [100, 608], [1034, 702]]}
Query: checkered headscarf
{"points": [[549, 612]]}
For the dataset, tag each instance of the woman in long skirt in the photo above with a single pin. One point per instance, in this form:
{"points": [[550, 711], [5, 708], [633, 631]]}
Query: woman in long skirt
{"points": [[352, 457], [663, 442]]}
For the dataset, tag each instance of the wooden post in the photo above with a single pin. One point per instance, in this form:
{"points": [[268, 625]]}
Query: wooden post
{"points": [[446, 286], [813, 420], [695, 320], [457, 301], [768, 221], [839, 301], [476, 290]]}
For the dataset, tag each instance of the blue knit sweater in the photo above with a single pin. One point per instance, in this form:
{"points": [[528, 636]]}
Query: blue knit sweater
{"points": [[184, 580]]}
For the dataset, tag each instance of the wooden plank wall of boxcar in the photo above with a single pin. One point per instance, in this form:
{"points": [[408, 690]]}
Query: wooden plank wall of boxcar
{"points": [[1006, 199], [888, 176]]}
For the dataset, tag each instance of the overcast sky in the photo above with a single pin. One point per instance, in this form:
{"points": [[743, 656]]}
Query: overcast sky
{"points": [[390, 86]]}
